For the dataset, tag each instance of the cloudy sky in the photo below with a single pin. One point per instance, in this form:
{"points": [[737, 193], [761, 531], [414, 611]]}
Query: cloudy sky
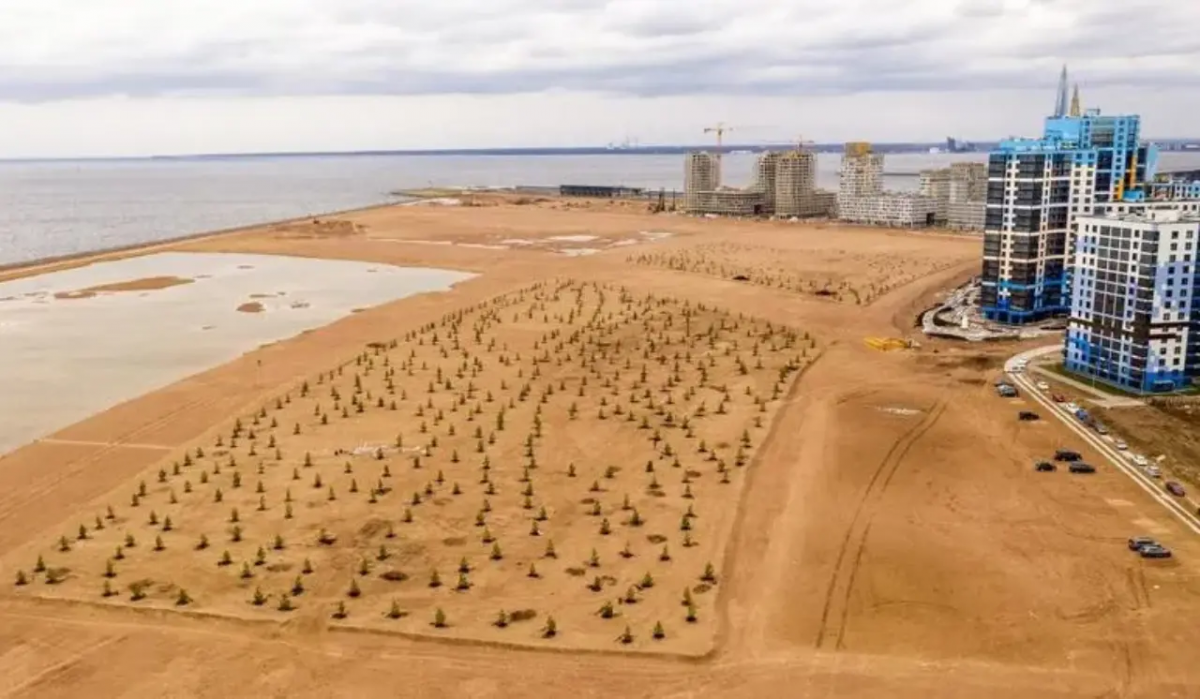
{"points": [[133, 77]]}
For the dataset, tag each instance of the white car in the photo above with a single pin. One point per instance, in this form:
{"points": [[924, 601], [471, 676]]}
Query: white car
{"points": [[1043, 386], [1140, 460], [1071, 407], [1153, 472], [1121, 445]]}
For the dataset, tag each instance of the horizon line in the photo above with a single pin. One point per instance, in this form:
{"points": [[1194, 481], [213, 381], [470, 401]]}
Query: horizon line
{"points": [[661, 149]]}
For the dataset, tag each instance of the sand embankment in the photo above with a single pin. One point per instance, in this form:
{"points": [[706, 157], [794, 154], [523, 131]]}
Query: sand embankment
{"points": [[143, 284]]}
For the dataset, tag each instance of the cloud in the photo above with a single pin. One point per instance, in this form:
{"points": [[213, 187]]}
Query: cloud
{"points": [[64, 49]]}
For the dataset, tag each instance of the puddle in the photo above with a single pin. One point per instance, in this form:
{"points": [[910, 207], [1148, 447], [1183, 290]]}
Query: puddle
{"points": [[447, 243], [439, 201], [66, 360], [573, 238]]}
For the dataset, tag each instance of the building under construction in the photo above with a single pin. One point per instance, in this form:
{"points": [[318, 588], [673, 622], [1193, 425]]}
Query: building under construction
{"points": [[862, 199], [701, 176], [959, 193], [784, 185]]}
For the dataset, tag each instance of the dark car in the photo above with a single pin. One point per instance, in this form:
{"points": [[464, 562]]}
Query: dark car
{"points": [[1154, 551], [1067, 455], [1045, 466], [1136, 543], [1028, 416], [1080, 467], [1174, 488]]}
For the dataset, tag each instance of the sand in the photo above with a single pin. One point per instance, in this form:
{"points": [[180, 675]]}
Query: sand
{"points": [[144, 284], [886, 535]]}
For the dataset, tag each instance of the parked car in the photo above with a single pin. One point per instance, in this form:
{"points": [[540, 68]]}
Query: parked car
{"points": [[1071, 407], [1043, 386], [1080, 467], [1140, 460], [1120, 444], [1028, 416], [1153, 472], [1100, 428], [1006, 391], [1067, 455], [1174, 489], [1137, 542], [1057, 397], [1043, 466], [1154, 551]]}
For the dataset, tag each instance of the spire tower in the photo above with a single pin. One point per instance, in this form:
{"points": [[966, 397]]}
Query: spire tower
{"points": [[1060, 103], [1076, 108]]}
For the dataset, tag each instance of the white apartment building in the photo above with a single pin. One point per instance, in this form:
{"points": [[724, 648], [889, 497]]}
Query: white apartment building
{"points": [[1134, 312]]}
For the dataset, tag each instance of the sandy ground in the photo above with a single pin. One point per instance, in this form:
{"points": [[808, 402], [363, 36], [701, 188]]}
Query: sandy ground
{"points": [[145, 284], [886, 535]]}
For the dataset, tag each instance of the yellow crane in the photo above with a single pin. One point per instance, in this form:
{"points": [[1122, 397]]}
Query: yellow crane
{"points": [[720, 129]]}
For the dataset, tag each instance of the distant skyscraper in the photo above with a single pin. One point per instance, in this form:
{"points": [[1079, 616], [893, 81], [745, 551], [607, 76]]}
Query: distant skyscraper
{"points": [[1060, 102]]}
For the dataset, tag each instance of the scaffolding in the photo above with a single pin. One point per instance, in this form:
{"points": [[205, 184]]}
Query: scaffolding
{"points": [[968, 182], [784, 185], [936, 185], [966, 215], [958, 192], [862, 172], [766, 179], [890, 209], [796, 195], [728, 201], [701, 174]]}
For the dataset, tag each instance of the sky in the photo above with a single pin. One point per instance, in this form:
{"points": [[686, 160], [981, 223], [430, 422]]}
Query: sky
{"points": [[144, 77]]}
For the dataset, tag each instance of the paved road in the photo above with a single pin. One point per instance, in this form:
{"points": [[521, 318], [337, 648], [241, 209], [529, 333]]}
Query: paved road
{"points": [[1183, 509], [1099, 397]]}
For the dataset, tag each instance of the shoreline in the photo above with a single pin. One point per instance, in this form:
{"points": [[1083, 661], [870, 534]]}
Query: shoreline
{"points": [[15, 270]]}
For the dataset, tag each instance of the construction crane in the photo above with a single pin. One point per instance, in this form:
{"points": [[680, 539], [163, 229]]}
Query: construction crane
{"points": [[719, 130], [801, 143]]}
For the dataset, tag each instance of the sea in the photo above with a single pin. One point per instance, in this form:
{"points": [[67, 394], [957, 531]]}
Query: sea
{"points": [[65, 207]]}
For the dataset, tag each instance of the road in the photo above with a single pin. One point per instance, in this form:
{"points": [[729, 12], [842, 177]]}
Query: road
{"points": [[1184, 513]]}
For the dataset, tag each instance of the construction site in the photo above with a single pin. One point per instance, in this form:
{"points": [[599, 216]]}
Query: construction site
{"points": [[784, 186], [701, 463], [959, 194], [861, 197]]}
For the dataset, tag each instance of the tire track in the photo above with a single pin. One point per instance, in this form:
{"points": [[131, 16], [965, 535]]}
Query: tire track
{"points": [[837, 597], [22, 497]]}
